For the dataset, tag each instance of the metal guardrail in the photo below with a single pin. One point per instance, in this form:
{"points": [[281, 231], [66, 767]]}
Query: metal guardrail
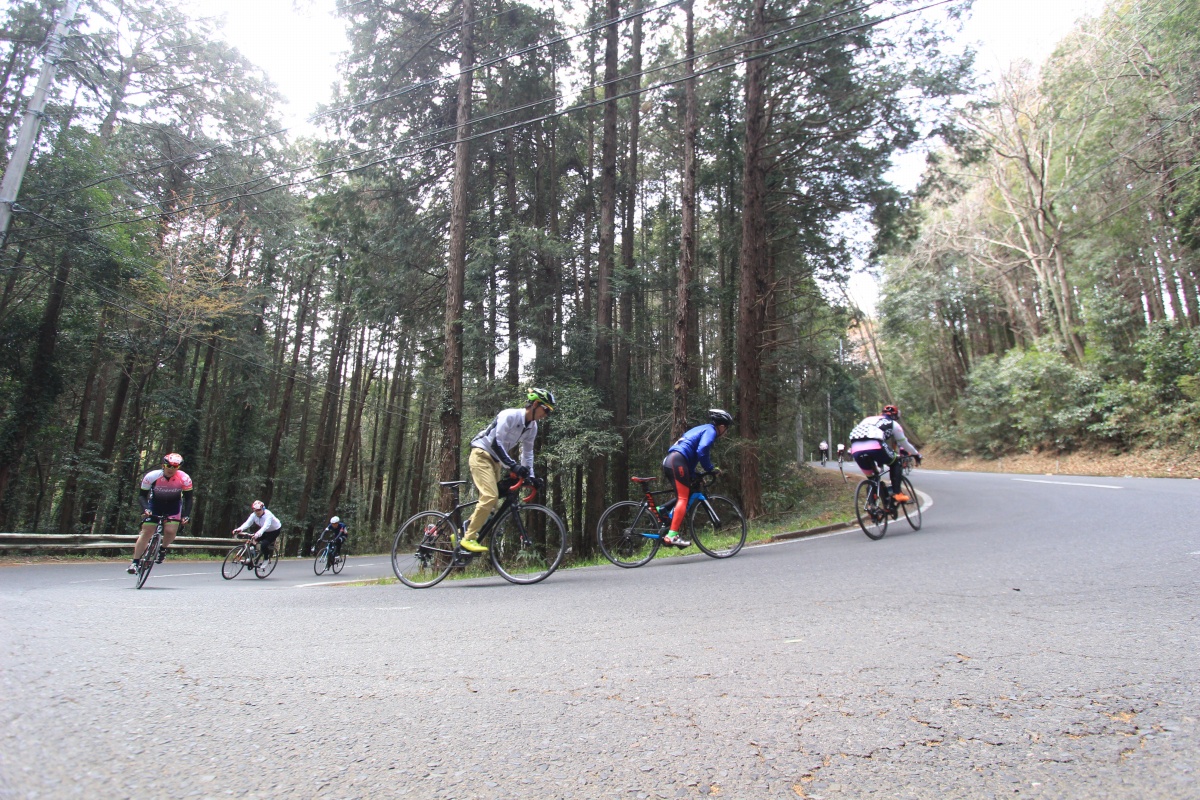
{"points": [[59, 541]]}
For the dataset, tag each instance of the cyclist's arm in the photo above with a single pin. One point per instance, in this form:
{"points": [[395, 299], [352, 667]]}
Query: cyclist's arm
{"points": [[144, 500], [527, 437], [903, 443], [187, 504], [707, 439]]}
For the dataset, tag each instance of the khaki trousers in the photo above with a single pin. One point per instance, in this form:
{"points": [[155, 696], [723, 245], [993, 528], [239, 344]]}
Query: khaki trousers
{"points": [[486, 472]]}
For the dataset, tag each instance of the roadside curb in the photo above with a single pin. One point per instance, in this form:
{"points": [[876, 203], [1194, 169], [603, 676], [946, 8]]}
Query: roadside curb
{"points": [[836, 526]]}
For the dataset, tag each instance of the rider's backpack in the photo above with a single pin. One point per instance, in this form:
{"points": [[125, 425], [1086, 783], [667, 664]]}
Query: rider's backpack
{"points": [[877, 428]]}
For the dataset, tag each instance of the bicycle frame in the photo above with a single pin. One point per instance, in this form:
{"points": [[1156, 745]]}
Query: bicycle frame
{"points": [[664, 522], [509, 502]]}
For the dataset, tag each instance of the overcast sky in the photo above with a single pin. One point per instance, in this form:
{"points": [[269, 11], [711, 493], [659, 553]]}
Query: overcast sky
{"points": [[298, 42]]}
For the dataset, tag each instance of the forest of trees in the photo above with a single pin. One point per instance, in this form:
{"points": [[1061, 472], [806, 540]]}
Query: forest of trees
{"points": [[1044, 293], [649, 208]]}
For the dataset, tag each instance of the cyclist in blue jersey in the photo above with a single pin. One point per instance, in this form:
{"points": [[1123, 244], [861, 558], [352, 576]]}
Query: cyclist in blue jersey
{"points": [[691, 450]]}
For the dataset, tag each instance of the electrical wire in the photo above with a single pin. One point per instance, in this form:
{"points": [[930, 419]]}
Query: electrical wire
{"points": [[491, 132], [195, 157]]}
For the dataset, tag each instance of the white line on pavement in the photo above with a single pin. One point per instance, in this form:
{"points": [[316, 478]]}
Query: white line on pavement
{"points": [[1068, 483]]}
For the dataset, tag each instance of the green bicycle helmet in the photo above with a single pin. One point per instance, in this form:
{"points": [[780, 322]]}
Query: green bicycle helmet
{"points": [[543, 396]]}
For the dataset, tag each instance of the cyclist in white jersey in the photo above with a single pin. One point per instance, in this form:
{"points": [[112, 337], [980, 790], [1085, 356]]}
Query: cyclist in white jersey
{"points": [[266, 527], [490, 457]]}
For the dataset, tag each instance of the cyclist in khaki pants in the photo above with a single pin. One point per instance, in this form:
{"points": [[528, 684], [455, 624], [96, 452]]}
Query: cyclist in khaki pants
{"points": [[490, 457]]}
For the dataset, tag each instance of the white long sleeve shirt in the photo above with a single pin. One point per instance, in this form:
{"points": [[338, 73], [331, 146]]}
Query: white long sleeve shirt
{"points": [[268, 522], [507, 430]]}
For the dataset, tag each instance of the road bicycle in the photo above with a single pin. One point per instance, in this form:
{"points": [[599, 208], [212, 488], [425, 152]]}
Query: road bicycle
{"points": [[248, 554], [329, 558], [907, 462], [842, 456], [873, 510], [630, 532], [526, 542], [153, 549]]}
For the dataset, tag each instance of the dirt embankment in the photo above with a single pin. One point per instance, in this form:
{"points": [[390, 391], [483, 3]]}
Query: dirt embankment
{"points": [[1139, 464]]}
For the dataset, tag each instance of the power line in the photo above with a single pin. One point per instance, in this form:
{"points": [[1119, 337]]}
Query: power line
{"points": [[472, 137], [194, 157]]}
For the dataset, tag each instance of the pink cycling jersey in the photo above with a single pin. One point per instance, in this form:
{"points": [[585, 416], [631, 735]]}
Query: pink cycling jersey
{"points": [[166, 494]]}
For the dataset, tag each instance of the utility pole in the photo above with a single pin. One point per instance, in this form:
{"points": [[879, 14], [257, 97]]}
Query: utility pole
{"points": [[14, 173]]}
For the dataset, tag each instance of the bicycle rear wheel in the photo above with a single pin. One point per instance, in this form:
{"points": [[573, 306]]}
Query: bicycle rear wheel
{"points": [[321, 562], [628, 534], [339, 561], [718, 526], [912, 509], [528, 544], [147, 562], [871, 517], [423, 552], [267, 566], [233, 563]]}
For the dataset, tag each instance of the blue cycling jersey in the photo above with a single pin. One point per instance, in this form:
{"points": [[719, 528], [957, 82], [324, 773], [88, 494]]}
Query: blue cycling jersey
{"points": [[696, 444]]}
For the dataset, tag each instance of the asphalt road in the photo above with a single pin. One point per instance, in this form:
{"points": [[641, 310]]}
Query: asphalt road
{"points": [[1037, 638]]}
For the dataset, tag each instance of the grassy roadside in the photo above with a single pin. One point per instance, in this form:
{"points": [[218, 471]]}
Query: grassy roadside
{"points": [[1155, 463]]}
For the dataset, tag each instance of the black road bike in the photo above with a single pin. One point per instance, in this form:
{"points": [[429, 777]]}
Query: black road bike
{"points": [[249, 555], [526, 541], [629, 533], [153, 549], [329, 557], [874, 509]]}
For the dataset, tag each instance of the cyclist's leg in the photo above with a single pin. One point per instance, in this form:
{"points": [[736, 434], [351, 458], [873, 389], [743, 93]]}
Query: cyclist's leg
{"points": [[485, 472], [268, 544], [143, 539], [676, 466], [896, 469]]}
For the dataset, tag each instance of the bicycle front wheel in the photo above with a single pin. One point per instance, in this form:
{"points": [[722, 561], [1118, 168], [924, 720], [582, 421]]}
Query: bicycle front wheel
{"points": [[233, 563], [267, 565], [912, 509], [628, 534], [718, 526], [528, 544], [871, 517], [147, 562], [321, 562], [339, 561], [423, 552]]}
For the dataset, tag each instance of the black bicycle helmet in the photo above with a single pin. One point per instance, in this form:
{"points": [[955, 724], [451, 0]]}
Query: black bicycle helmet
{"points": [[719, 416]]}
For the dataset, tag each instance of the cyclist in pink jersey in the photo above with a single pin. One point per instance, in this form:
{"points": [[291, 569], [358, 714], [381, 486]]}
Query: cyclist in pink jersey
{"points": [[165, 493]]}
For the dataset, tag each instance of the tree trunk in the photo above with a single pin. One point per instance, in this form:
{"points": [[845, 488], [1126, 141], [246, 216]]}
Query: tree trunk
{"points": [[752, 259], [684, 342], [598, 472], [452, 379], [629, 267]]}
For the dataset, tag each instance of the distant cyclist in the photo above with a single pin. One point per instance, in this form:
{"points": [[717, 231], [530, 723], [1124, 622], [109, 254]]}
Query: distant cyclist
{"points": [[874, 443], [823, 448], [335, 533], [263, 526], [164, 493], [691, 450], [490, 458]]}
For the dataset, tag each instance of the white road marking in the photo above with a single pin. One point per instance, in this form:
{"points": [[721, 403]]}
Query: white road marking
{"points": [[1068, 483]]}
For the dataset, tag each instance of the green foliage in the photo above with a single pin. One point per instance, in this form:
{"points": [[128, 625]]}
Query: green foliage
{"points": [[579, 430]]}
